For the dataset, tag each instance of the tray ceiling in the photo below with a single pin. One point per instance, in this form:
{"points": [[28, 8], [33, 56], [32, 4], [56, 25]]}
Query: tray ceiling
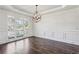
{"points": [[30, 9]]}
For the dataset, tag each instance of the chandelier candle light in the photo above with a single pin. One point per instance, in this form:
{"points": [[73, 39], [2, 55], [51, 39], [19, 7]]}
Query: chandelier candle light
{"points": [[37, 17]]}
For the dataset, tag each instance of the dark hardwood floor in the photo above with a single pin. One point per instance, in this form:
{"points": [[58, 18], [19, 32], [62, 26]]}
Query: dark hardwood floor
{"points": [[36, 45]]}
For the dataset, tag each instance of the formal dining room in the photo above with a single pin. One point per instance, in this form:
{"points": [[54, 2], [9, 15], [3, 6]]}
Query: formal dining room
{"points": [[39, 29]]}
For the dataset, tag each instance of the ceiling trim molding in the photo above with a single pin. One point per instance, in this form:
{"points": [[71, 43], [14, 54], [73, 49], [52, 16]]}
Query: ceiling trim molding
{"points": [[52, 10], [62, 7], [31, 14], [15, 7], [18, 11], [10, 7]]}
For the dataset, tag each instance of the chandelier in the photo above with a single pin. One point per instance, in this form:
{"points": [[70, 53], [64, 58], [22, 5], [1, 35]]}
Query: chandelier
{"points": [[37, 17]]}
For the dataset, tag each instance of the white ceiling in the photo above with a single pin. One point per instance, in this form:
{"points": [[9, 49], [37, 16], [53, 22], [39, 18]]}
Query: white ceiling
{"points": [[30, 9]]}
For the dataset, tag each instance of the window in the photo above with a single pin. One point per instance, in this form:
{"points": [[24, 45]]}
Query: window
{"points": [[17, 27], [11, 32]]}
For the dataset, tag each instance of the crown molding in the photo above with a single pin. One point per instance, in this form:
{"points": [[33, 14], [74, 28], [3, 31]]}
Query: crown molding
{"points": [[18, 11], [31, 14], [62, 7], [50, 10]]}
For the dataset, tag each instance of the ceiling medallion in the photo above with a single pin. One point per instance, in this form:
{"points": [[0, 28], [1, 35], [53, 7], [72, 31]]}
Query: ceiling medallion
{"points": [[37, 17]]}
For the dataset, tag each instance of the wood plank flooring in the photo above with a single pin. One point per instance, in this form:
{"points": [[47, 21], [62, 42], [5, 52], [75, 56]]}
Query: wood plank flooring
{"points": [[36, 45]]}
